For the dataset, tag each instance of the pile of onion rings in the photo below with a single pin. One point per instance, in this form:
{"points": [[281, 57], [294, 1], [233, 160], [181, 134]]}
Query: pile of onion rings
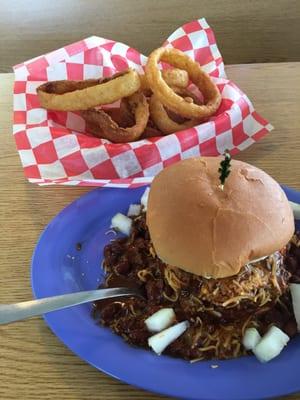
{"points": [[160, 102]]}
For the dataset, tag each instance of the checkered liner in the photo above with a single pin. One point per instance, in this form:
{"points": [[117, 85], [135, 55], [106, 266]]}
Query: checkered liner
{"points": [[54, 148]]}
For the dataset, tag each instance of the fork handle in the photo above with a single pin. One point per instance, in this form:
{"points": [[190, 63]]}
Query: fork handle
{"points": [[19, 311]]}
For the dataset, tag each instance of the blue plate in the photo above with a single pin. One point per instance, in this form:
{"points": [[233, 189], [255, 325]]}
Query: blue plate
{"points": [[58, 267]]}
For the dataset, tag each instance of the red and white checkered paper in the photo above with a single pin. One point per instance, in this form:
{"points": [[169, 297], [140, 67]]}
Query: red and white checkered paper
{"points": [[54, 148]]}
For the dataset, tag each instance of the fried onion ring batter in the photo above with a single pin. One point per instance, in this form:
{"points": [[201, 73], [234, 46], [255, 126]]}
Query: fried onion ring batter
{"points": [[167, 96], [173, 77], [102, 125], [166, 121], [82, 95]]}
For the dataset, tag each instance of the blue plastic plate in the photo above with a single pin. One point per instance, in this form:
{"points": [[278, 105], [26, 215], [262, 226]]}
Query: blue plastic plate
{"points": [[58, 268]]}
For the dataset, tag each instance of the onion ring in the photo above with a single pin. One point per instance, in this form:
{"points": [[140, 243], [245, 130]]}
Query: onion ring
{"points": [[151, 132], [117, 116], [211, 94], [127, 116], [102, 125], [127, 119], [173, 77], [189, 97], [82, 95], [166, 120]]}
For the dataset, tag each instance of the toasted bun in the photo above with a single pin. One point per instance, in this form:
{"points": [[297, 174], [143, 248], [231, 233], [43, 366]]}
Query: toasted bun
{"points": [[202, 229]]}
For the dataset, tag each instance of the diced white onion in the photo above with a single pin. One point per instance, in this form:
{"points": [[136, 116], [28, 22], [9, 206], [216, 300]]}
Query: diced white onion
{"points": [[251, 338], [161, 340], [144, 198], [121, 223], [295, 292], [296, 209], [134, 210], [271, 344], [160, 320]]}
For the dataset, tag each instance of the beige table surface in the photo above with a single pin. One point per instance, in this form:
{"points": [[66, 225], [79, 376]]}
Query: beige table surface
{"points": [[34, 364]]}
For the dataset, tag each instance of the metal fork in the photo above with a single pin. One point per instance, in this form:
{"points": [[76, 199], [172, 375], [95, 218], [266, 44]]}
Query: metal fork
{"points": [[26, 309]]}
